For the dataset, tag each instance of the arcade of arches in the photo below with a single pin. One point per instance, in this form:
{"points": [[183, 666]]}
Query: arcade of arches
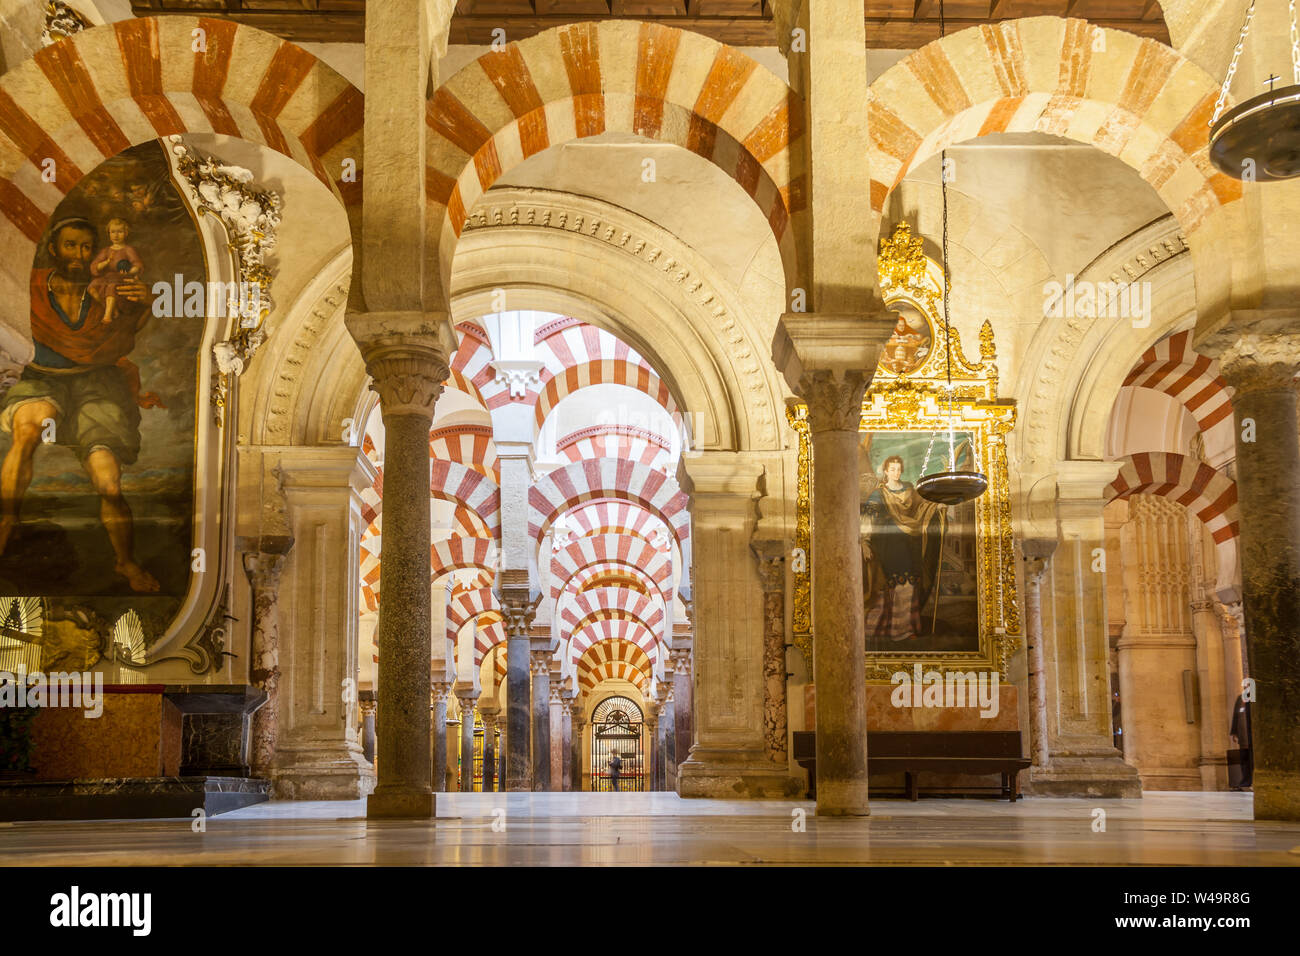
{"points": [[542, 443]]}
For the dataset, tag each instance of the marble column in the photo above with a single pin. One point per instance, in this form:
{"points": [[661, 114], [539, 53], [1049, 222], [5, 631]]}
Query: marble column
{"points": [[318, 751], [579, 721], [263, 562], [1259, 357], [501, 757], [518, 613], [408, 372], [1037, 552], [541, 691], [489, 748], [438, 734], [683, 684], [771, 570], [368, 708], [466, 700], [668, 768], [556, 731], [566, 741], [652, 757]]}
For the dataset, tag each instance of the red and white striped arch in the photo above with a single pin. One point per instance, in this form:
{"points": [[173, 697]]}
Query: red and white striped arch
{"points": [[615, 441], [651, 565], [614, 660], [1209, 494], [634, 375], [1173, 367], [453, 481], [574, 609], [611, 516], [467, 604], [466, 444], [585, 79], [454, 553], [570, 486], [87, 98], [1133, 98], [613, 629]]}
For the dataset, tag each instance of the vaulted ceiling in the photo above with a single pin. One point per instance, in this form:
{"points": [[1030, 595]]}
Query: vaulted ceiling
{"points": [[891, 24]]}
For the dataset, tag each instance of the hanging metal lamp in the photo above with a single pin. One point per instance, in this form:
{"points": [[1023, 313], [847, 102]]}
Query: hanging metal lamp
{"points": [[953, 486], [1259, 140]]}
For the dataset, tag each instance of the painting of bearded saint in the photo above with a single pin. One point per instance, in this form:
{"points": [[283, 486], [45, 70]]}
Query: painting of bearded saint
{"points": [[918, 558]]}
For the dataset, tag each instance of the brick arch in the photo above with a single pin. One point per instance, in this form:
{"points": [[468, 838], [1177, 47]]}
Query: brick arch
{"points": [[614, 516], [465, 605], [614, 659], [638, 445], [567, 487], [614, 574], [611, 602], [452, 481], [87, 98], [1173, 367], [468, 444], [1036, 75], [1208, 494], [614, 630], [631, 374], [652, 566], [584, 79], [455, 553]]}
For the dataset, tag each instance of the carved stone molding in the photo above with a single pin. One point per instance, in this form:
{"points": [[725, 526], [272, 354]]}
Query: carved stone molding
{"points": [[629, 237], [290, 371], [834, 401], [539, 663]]}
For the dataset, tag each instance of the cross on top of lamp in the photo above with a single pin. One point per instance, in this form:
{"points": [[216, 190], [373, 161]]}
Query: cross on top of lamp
{"points": [[1259, 140], [950, 487]]}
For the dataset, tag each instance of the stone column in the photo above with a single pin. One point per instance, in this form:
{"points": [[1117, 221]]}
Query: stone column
{"points": [[489, 748], [318, 752], [408, 372], [466, 699], [566, 742], [518, 613], [263, 560], [728, 757], [683, 684], [771, 569], [1037, 552], [501, 758], [668, 769], [368, 708], [653, 758], [579, 722], [555, 723], [438, 734], [541, 691], [1259, 356]]}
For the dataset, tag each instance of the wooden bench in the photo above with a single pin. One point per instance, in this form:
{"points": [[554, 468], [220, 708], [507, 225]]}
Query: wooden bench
{"points": [[913, 752]]}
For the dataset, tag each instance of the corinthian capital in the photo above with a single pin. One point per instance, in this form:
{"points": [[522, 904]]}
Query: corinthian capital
{"points": [[404, 357]]}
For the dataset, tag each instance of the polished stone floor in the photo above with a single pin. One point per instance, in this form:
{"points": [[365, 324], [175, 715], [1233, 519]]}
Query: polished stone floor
{"points": [[660, 828]]}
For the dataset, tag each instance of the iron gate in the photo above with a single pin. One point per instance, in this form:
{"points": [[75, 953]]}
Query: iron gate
{"points": [[616, 726]]}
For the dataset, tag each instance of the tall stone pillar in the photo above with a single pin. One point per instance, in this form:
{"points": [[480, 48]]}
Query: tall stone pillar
{"points": [[541, 669], [579, 722], [318, 751], [566, 742], [466, 699], [368, 709], [518, 613], [555, 720], [728, 758], [1037, 552], [489, 715], [683, 684], [771, 569], [1082, 759], [667, 713], [1259, 356], [263, 560], [408, 371], [652, 761], [438, 734]]}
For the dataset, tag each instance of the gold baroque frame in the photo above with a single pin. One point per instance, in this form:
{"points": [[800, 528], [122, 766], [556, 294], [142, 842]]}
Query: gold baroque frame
{"points": [[919, 401]]}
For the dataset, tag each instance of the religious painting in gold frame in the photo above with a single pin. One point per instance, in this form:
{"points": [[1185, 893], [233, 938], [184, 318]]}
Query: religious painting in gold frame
{"points": [[939, 584]]}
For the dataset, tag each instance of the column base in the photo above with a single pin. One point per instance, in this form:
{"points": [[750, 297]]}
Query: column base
{"points": [[392, 802], [1099, 775], [847, 798], [1277, 795], [735, 775], [1171, 778], [325, 773]]}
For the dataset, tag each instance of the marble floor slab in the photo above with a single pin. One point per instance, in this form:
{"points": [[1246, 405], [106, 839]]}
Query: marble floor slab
{"points": [[662, 829]]}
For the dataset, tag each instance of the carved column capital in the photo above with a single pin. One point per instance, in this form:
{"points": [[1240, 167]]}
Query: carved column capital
{"points": [[540, 663], [368, 706], [438, 691], [1256, 351], [682, 661], [557, 693], [263, 560], [407, 371]]}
